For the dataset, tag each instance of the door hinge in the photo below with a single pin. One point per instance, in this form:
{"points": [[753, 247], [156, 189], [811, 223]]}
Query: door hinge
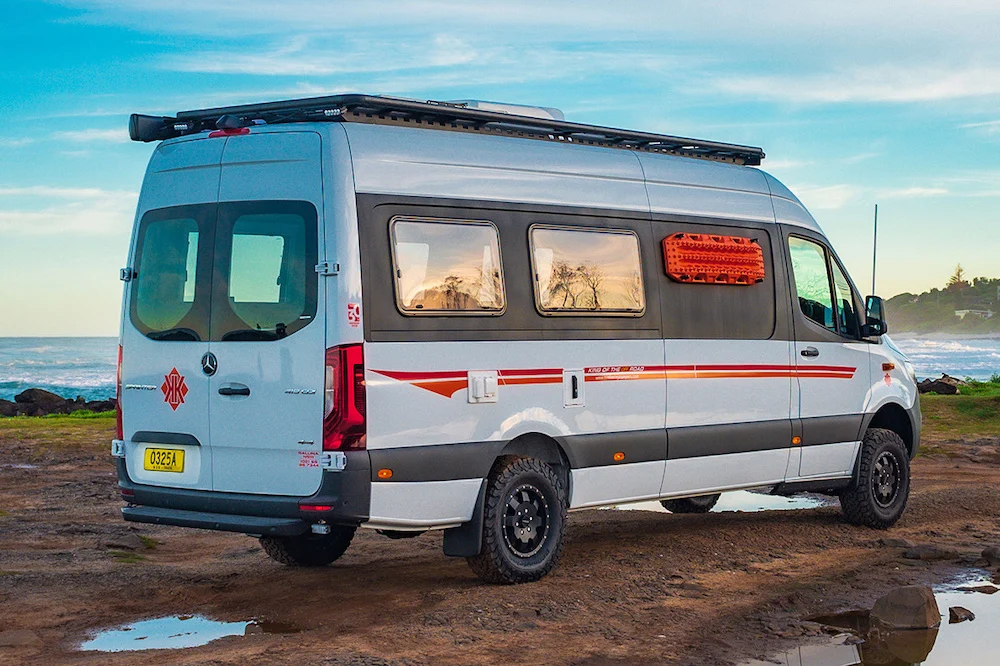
{"points": [[328, 268], [126, 274], [333, 460]]}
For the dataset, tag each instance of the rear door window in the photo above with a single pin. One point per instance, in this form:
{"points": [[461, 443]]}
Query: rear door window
{"points": [[241, 271], [266, 271], [170, 288]]}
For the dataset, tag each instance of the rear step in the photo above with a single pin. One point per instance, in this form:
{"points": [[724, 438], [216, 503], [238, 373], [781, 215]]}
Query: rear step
{"points": [[255, 525]]}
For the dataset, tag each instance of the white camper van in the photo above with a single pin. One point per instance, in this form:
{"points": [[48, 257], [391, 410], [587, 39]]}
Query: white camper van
{"points": [[359, 311]]}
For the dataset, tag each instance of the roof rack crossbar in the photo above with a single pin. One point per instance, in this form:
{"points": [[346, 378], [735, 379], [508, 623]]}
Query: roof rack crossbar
{"points": [[448, 115]]}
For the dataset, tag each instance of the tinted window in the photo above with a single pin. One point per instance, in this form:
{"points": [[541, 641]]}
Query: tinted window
{"points": [[265, 270], [812, 281], [170, 265], [447, 266], [847, 315], [234, 272], [582, 271]]}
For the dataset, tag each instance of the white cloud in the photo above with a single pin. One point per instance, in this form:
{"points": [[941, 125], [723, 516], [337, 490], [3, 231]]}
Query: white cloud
{"points": [[826, 197], [869, 84], [15, 143], [989, 126], [93, 135], [42, 210], [912, 193]]}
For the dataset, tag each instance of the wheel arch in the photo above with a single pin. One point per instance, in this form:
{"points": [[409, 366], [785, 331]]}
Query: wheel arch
{"points": [[894, 417], [544, 448]]}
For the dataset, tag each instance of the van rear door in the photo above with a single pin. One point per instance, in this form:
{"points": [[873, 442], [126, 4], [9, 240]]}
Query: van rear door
{"points": [[267, 323], [165, 332]]}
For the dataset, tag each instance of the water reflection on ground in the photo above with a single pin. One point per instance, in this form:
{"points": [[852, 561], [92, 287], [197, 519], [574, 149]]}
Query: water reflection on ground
{"points": [[748, 501], [179, 631], [969, 642]]}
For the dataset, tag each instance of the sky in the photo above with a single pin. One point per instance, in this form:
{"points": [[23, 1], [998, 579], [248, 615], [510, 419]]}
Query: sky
{"points": [[855, 103]]}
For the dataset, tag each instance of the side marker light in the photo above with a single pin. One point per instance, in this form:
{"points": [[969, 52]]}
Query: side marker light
{"points": [[886, 367], [619, 456], [796, 440], [385, 474]]}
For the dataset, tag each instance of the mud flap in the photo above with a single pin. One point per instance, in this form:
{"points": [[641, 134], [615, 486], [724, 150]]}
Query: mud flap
{"points": [[466, 540]]}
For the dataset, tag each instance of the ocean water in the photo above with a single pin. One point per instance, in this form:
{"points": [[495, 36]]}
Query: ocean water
{"points": [[86, 366], [70, 367]]}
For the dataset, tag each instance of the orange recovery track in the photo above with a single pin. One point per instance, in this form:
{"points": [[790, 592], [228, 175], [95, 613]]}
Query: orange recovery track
{"points": [[712, 259]]}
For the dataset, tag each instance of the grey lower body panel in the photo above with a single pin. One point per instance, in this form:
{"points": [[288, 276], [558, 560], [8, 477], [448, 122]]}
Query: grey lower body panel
{"points": [[255, 525]]}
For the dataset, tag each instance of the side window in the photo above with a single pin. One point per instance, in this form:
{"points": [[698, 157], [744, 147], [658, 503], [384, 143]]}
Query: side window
{"points": [[447, 266], [587, 271], [812, 281], [847, 316]]}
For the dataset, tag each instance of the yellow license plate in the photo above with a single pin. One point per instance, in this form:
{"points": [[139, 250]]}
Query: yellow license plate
{"points": [[164, 460]]}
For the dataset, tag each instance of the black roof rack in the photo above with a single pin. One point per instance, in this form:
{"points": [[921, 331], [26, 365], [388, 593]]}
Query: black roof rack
{"points": [[434, 115]]}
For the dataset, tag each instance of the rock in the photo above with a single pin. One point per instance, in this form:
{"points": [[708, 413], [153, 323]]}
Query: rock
{"points": [[937, 386], [526, 614], [895, 543], [983, 589], [927, 552], [44, 399], [99, 406], [992, 555], [8, 408], [910, 607], [18, 638], [954, 381], [125, 542], [958, 614]]}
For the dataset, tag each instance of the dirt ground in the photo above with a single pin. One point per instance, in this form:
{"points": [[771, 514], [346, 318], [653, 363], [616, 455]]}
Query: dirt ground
{"points": [[633, 587]]}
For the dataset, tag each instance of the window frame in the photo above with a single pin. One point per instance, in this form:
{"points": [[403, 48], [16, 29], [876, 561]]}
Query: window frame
{"points": [[830, 261], [411, 312], [535, 283]]}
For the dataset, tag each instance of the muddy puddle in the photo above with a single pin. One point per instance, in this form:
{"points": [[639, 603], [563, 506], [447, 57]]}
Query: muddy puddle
{"points": [[178, 631], [748, 501], [974, 641]]}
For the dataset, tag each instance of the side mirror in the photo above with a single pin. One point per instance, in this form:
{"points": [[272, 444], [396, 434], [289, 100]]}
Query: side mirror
{"points": [[874, 318]]}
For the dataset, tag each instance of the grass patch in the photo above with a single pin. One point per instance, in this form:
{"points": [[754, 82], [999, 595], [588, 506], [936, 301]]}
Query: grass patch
{"points": [[960, 416], [987, 389], [59, 431], [126, 556], [149, 542]]}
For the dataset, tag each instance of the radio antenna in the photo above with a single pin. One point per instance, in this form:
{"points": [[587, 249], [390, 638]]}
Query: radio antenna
{"points": [[874, 248]]}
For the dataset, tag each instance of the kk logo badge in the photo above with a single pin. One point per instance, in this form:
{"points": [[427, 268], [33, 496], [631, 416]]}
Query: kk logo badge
{"points": [[174, 389]]}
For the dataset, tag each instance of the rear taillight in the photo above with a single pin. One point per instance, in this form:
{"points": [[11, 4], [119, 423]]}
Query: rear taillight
{"points": [[344, 404], [119, 431]]}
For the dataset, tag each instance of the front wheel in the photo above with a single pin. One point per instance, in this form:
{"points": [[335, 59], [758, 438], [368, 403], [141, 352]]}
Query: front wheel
{"points": [[309, 550], [523, 519], [878, 495], [701, 504]]}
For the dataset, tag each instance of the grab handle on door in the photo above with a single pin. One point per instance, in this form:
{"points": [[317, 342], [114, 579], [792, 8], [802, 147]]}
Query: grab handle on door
{"points": [[234, 390], [810, 351], [575, 387]]}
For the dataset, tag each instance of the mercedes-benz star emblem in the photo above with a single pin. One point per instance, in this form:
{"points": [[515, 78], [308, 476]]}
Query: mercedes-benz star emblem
{"points": [[209, 364]]}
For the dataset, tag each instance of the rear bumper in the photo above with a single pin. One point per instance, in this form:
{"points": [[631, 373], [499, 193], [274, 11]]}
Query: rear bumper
{"points": [[216, 521], [346, 492]]}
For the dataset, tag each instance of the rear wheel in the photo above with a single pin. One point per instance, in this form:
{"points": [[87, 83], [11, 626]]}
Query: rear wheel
{"points": [[523, 519], [309, 550], [878, 495], [701, 504]]}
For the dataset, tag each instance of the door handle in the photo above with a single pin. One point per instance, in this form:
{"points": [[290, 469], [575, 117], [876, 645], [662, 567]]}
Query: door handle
{"points": [[810, 351], [234, 390], [575, 382]]}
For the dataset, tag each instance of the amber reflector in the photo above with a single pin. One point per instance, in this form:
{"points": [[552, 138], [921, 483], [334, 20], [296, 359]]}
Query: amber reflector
{"points": [[711, 259], [796, 440], [385, 474], [619, 456]]}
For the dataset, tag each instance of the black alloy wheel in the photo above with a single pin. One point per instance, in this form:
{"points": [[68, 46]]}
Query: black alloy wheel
{"points": [[526, 520], [878, 494], [524, 513]]}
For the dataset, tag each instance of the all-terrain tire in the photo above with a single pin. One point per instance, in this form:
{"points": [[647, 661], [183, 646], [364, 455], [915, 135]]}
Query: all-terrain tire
{"points": [[700, 504], [879, 493], [523, 520], [309, 550]]}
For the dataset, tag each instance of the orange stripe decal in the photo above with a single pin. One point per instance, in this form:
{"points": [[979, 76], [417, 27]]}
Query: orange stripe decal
{"points": [[447, 383]]}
